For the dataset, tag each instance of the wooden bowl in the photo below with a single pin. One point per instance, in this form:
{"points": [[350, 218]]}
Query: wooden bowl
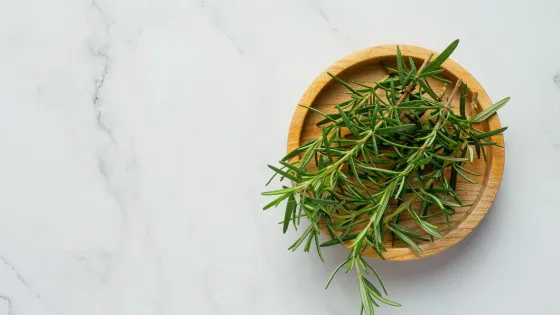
{"points": [[364, 67]]}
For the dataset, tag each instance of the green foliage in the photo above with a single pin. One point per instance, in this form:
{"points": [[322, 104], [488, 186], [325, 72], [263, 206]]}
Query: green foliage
{"points": [[376, 149]]}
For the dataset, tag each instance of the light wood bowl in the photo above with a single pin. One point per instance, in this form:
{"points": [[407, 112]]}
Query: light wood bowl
{"points": [[364, 67]]}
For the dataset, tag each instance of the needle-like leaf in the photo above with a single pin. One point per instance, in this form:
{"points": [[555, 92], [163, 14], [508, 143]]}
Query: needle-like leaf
{"points": [[290, 209], [438, 61], [400, 65], [337, 79], [463, 102], [407, 240], [485, 114]]}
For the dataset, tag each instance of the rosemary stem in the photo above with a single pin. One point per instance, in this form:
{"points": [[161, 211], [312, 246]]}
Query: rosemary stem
{"points": [[421, 150], [368, 135], [409, 167], [410, 87]]}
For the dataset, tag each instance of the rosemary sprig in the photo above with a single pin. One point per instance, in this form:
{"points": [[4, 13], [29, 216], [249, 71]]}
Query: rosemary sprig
{"points": [[394, 140]]}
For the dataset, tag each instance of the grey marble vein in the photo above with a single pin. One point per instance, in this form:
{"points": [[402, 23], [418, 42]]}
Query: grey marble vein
{"points": [[326, 19], [216, 18], [19, 276], [6, 306]]}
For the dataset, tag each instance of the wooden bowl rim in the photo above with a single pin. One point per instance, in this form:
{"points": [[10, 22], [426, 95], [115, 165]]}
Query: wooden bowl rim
{"points": [[494, 164]]}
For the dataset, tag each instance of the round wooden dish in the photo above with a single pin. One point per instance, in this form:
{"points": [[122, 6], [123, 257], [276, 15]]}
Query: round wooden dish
{"points": [[364, 67]]}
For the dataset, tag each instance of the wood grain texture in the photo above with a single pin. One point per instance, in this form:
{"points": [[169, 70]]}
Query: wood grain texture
{"points": [[364, 67]]}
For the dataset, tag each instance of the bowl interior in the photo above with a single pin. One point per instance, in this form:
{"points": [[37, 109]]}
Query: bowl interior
{"points": [[369, 71]]}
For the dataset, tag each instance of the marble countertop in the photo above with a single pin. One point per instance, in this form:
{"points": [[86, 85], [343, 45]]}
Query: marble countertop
{"points": [[136, 133]]}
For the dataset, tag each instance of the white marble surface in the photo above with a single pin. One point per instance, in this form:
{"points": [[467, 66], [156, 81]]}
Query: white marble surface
{"points": [[135, 136]]}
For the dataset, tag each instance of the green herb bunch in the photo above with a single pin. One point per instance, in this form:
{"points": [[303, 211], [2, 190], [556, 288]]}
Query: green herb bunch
{"points": [[388, 146]]}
